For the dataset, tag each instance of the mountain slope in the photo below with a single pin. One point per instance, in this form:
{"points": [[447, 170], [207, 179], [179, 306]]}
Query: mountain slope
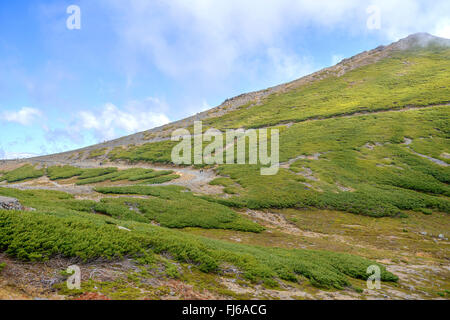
{"points": [[365, 139], [360, 83], [355, 117]]}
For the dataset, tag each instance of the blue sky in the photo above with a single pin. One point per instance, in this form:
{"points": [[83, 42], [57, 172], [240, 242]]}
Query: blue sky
{"points": [[138, 64]]}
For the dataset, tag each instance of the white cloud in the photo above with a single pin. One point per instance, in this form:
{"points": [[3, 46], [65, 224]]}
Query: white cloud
{"points": [[24, 116], [204, 41], [5, 155], [443, 29], [110, 122], [400, 18], [107, 122], [211, 40]]}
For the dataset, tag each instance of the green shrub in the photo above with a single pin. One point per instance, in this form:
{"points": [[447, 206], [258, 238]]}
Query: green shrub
{"points": [[231, 190], [97, 153], [134, 174], [173, 207], [426, 211], [39, 236], [150, 175], [63, 172], [161, 179], [96, 172], [225, 182], [26, 172], [101, 178]]}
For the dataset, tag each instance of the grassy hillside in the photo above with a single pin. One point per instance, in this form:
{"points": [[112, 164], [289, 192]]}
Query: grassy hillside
{"points": [[66, 226], [364, 166], [416, 77], [356, 125], [23, 173], [372, 141]]}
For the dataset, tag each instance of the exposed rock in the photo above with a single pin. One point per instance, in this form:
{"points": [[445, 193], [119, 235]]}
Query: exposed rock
{"points": [[371, 146], [308, 174], [407, 141], [7, 203], [343, 188]]}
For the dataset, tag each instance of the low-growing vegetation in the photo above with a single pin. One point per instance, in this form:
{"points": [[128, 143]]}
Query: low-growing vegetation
{"points": [[161, 179], [97, 153], [33, 236], [63, 172], [173, 207], [96, 172], [362, 165], [144, 176], [150, 175], [90, 175], [169, 206], [158, 152], [26, 172]]}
